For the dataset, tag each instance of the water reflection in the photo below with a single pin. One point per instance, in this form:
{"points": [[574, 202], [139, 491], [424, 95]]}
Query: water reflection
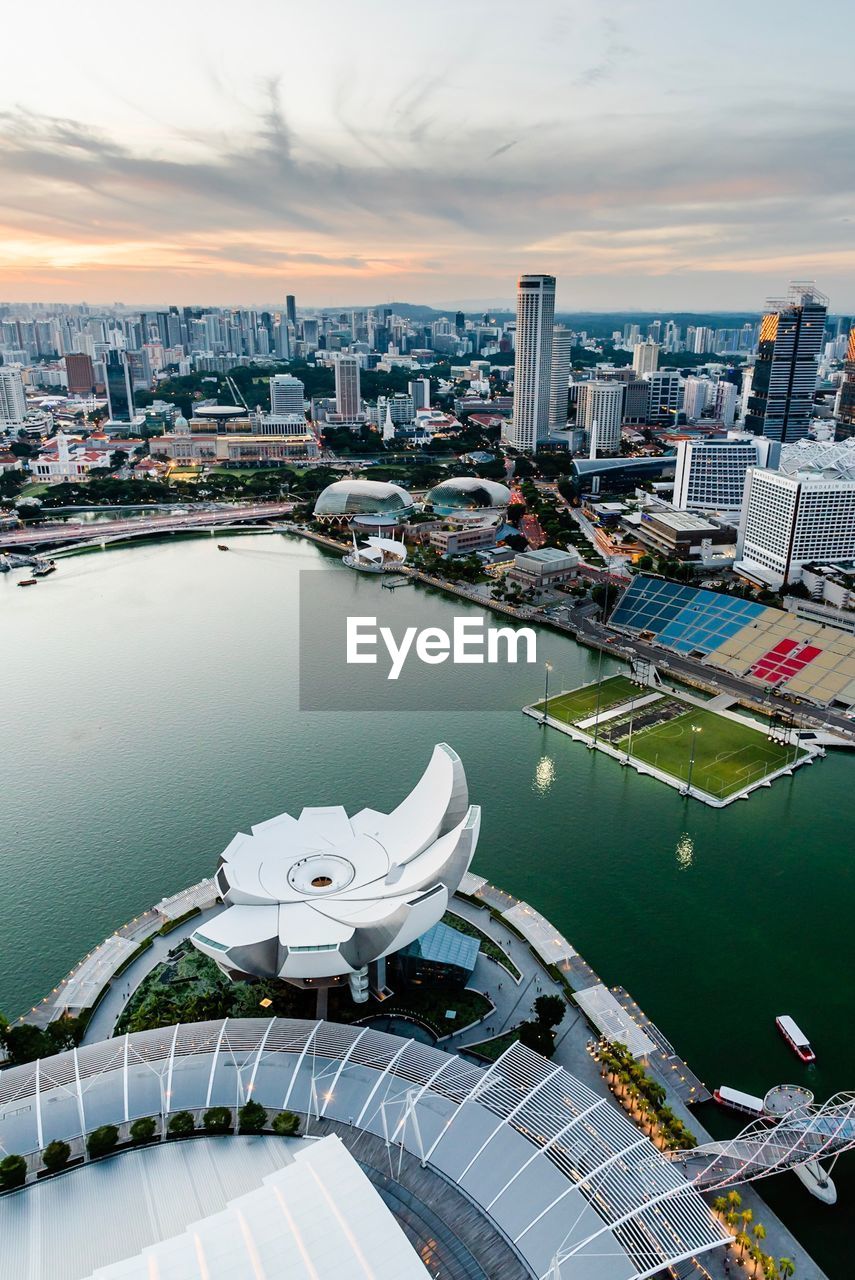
{"points": [[544, 775], [685, 852]]}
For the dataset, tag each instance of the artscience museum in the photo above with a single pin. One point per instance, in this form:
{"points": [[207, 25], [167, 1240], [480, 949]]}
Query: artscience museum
{"points": [[324, 897]]}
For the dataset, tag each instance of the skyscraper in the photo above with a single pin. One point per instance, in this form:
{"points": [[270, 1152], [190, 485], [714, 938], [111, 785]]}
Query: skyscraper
{"points": [[13, 404], [291, 309], [559, 378], [645, 357], [120, 396], [782, 390], [846, 398], [533, 363], [348, 402], [80, 373], [286, 396], [600, 404]]}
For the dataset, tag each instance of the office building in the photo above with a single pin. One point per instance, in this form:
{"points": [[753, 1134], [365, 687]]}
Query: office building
{"points": [[559, 378], [782, 392], [545, 570], [286, 396], [710, 474], [533, 362], [13, 404], [725, 402], [645, 357], [117, 378], [599, 411], [664, 399], [697, 395], [419, 389], [802, 513], [291, 309], [679, 535], [845, 411], [80, 374], [348, 401], [461, 542]]}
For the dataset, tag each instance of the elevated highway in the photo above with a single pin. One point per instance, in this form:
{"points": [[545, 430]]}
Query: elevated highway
{"points": [[87, 533]]}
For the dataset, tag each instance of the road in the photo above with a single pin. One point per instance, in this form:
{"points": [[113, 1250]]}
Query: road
{"points": [[57, 534]]}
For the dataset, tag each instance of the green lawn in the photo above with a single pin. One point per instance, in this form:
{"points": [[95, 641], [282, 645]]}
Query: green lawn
{"points": [[579, 704], [728, 755]]}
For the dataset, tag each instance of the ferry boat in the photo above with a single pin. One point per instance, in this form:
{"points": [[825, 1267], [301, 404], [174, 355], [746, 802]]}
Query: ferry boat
{"points": [[739, 1101], [795, 1037], [28, 582]]}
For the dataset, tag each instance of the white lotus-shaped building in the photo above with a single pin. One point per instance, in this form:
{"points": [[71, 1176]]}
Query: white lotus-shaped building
{"points": [[318, 898]]}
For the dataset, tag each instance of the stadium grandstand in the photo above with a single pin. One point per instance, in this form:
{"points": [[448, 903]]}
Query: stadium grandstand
{"points": [[750, 640]]}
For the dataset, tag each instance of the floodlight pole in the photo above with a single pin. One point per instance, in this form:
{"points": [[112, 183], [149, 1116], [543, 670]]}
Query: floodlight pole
{"points": [[695, 731], [547, 667], [631, 722]]}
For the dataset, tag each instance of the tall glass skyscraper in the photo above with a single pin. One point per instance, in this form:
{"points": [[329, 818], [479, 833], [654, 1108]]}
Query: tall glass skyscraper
{"points": [[120, 399], [791, 336], [533, 363]]}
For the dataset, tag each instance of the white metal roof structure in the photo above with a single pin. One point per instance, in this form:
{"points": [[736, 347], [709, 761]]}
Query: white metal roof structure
{"points": [[320, 896], [613, 1021], [550, 945], [319, 1216], [572, 1186]]}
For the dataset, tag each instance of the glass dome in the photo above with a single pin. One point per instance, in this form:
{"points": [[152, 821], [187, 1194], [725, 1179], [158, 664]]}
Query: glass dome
{"points": [[468, 493], [349, 498]]}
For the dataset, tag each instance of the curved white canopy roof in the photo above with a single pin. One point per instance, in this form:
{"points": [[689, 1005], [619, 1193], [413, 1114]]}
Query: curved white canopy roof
{"points": [[323, 894]]}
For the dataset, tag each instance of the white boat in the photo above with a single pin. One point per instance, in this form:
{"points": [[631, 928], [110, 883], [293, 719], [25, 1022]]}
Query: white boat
{"points": [[819, 1184], [739, 1101], [795, 1037]]}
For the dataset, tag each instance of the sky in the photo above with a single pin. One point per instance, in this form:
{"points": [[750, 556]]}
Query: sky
{"points": [[650, 155]]}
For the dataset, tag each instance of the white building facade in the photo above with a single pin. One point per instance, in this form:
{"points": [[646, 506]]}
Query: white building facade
{"points": [[559, 381], [788, 521], [645, 357], [600, 404], [348, 401], [13, 404], [710, 474], [533, 363]]}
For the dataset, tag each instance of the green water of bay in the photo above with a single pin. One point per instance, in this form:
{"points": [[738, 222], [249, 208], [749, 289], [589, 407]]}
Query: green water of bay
{"points": [[150, 710]]}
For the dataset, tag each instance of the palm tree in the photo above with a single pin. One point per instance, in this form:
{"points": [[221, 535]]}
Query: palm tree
{"points": [[743, 1241], [787, 1267], [759, 1232], [734, 1199]]}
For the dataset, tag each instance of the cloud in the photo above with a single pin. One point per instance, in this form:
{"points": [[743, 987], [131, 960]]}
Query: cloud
{"points": [[643, 195]]}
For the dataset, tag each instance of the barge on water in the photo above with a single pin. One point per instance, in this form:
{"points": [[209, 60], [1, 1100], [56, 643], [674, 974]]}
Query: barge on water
{"points": [[795, 1037]]}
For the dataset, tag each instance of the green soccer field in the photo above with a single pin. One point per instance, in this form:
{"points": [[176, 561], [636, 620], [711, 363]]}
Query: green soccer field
{"points": [[728, 755], [578, 704]]}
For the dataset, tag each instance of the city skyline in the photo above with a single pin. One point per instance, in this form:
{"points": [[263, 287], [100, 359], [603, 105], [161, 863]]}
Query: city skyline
{"points": [[587, 147]]}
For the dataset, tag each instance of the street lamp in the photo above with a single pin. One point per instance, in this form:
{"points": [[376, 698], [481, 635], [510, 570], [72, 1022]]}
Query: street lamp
{"points": [[696, 729], [547, 667]]}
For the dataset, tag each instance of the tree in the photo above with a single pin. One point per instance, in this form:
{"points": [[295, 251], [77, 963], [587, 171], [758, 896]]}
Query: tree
{"points": [[534, 1035], [24, 1043], [102, 1140], [252, 1117], [56, 1155], [549, 1010], [143, 1130], [787, 1267], [286, 1124], [217, 1120], [13, 1172], [181, 1124]]}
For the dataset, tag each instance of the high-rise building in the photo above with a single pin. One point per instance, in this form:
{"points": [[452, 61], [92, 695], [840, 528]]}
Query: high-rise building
{"points": [[645, 357], [697, 395], [120, 395], [846, 396], [559, 376], [533, 362], [790, 518], [664, 401], [710, 474], [287, 394], [13, 403], [782, 391], [291, 309], [348, 401], [725, 402], [80, 373], [600, 405], [419, 389]]}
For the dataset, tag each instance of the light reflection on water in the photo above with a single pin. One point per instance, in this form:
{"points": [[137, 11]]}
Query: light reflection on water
{"points": [[544, 775], [685, 852]]}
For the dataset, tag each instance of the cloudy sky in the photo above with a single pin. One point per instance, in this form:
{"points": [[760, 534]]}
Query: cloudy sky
{"points": [[648, 154]]}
